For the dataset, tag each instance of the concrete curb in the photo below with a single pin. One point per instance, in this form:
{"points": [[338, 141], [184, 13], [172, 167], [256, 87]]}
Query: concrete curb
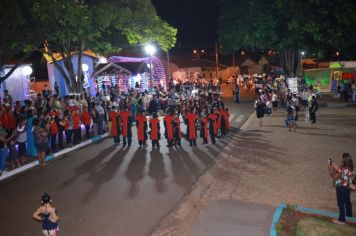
{"points": [[248, 121], [50, 157], [281, 207]]}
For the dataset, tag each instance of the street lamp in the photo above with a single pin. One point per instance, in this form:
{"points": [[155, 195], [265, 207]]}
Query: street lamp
{"points": [[150, 50], [302, 53], [85, 69], [27, 70]]}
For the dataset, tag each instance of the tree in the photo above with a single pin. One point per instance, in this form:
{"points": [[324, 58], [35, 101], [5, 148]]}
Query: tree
{"points": [[16, 35], [69, 26], [318, 26]]}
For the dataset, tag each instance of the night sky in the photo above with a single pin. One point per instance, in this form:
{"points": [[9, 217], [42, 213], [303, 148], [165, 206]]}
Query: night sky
{"points": [[196, 21]]}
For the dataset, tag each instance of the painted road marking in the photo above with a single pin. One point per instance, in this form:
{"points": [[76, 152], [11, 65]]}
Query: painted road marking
{"points": [[239, 118], [231, 117]]}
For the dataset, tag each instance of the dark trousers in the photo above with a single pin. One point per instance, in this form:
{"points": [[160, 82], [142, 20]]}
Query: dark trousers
{"points": [[117, 139], [87, 131], [343, 202], [312, 117], [212, 135], [170, 142], [77, 135], [60, 140], [205, 140], [192, 142], [128, 141], [177, 141], [69, 135], [53, 142], [155, 143], [142, 142]]}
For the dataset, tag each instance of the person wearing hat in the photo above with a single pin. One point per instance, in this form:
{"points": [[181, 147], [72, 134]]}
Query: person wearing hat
{"points": [[47, 215], [213, 125]]}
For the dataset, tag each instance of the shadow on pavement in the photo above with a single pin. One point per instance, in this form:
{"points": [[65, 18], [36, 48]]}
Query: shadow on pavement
{"points": [[157, 170], [104, 173], [87, 166], [135, 171]]}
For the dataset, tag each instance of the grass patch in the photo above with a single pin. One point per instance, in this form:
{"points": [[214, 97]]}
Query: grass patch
{"points": [[316, 227]]}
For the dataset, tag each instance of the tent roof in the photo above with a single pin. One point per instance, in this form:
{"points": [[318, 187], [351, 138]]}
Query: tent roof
{"points": [[109, 67], [336, 65]]}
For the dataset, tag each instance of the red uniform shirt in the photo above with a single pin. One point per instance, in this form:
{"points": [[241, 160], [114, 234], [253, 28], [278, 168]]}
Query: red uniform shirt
{"points": [[154, 128], [76, 121], [113, 115], [86, 118]]}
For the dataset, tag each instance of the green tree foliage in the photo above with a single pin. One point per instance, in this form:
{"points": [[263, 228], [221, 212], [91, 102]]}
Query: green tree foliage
{"points": [[68, 26], [16, 34], [289, 26]]}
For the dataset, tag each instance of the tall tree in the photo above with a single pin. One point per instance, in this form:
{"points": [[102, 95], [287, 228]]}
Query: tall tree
{"points": [[317, 26], [16, 35], [69, 26]]}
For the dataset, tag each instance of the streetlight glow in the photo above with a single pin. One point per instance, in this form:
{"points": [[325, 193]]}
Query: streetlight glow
{"points": [[194, 51], [303, 53], [85, 67], [150, 49], [27, 70]]}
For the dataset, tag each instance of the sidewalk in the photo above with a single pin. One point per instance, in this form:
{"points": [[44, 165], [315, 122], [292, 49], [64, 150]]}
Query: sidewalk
{"points": [[269, 167]]}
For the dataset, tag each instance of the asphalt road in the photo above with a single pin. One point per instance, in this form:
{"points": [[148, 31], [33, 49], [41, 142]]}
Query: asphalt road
{"points": [[105, 190]]}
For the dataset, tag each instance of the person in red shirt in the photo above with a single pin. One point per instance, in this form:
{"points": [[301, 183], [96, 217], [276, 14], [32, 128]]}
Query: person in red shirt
{"points": [[113, 116], [86, 119], [126, 126], [219, 119], [155, 127], [176, 130], [76, 126], [191, 119], [222, 122], [227, 119], [212, 126], [11, 121], [204, 129], [168, 124], [54, 133], [141, 124]]}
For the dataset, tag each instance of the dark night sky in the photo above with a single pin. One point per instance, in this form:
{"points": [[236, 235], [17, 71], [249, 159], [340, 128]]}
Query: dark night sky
{"points": [[195, 20]]}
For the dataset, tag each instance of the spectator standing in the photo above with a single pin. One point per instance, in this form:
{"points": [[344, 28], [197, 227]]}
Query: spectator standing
{"points": [[343, 177], [41, 141], [86, 119], [3, 150], [313, 108], [31, 147], [21, 139]]}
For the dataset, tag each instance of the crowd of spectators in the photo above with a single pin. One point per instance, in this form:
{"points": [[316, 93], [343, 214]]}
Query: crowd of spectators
{"points": [[48, 122]]}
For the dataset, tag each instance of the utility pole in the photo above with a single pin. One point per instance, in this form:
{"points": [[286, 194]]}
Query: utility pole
{"points": [[217, 59]]}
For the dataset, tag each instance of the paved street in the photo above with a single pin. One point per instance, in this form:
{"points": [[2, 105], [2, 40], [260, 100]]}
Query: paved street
{"points": [[269, 166], [102, 190]]}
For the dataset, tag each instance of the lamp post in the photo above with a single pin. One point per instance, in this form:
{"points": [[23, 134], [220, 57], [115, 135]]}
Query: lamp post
{"points": [[302, 53], [150, 50]]}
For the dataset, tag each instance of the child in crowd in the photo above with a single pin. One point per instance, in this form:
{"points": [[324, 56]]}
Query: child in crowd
{"points": [[86, 119], [13, 155], [21, 139]]}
